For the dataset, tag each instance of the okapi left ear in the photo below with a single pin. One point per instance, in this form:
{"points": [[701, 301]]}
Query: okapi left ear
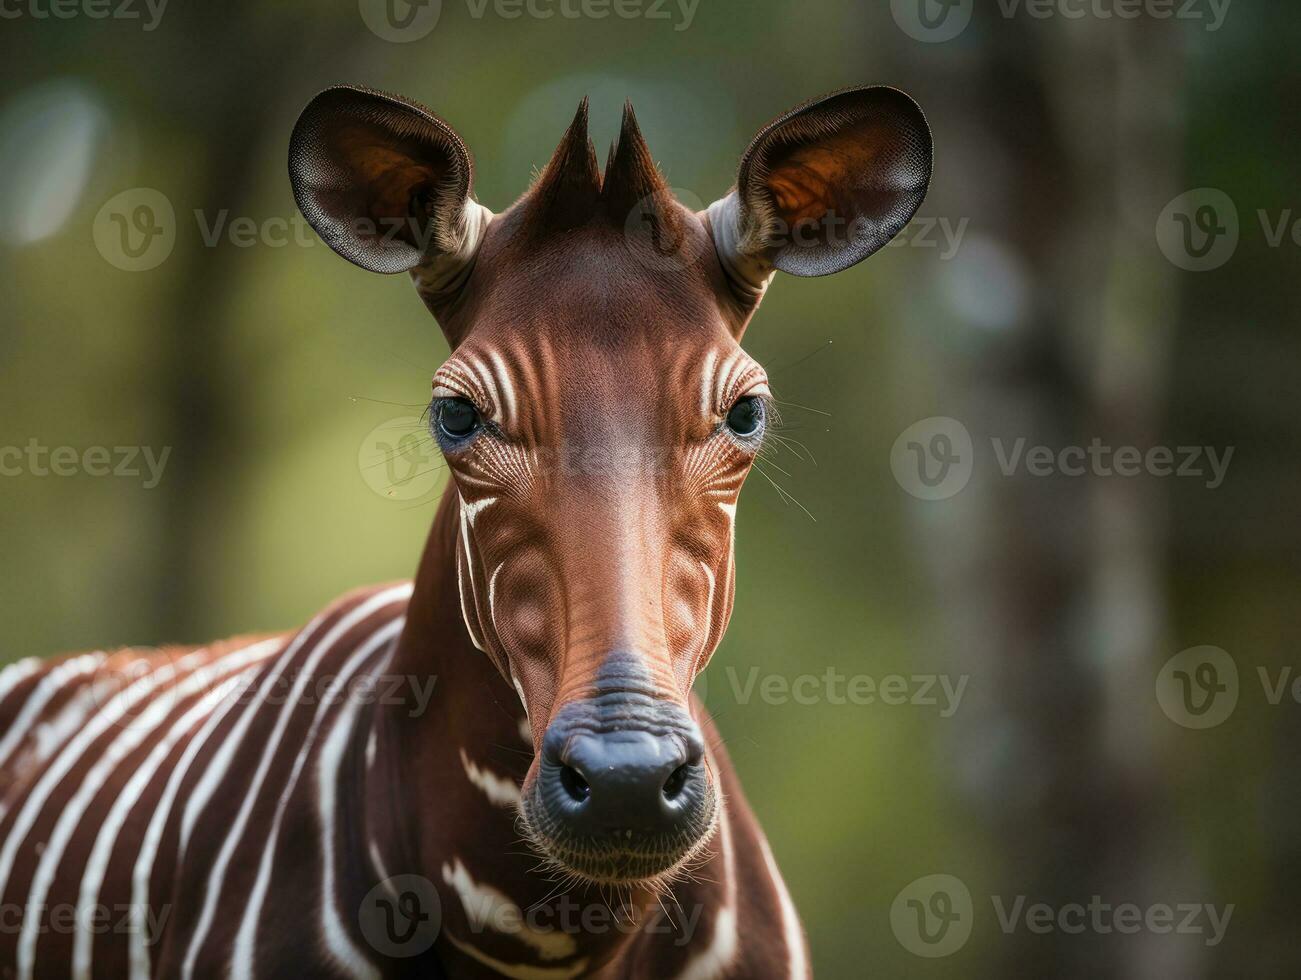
{"points": [[824, 186], [386, 184]]}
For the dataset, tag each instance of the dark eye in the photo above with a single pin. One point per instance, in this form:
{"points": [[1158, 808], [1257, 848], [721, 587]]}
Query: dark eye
{"points": [[457, 418], [745, 418]]}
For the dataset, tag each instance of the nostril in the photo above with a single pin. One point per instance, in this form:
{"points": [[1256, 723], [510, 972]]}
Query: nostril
{"points": [[674, 784], [574, 784]]}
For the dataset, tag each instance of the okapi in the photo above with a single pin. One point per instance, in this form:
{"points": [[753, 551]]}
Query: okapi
{"points": [[562, 807]]}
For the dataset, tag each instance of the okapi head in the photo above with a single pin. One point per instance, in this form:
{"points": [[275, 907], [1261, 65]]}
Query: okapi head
{"points": [[599, 416]]}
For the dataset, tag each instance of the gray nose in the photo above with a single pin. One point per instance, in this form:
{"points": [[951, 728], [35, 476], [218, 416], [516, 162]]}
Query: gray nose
{"points": [[639, 780]]}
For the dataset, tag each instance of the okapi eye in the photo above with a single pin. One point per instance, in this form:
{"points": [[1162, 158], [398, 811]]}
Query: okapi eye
{"points": [[457, 418], [746, 417]]}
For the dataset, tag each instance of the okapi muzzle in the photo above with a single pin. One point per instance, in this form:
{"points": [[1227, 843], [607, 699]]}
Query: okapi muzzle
{"points": [[599, 416]]}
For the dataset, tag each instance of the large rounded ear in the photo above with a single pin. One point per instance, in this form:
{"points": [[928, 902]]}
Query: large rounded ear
{"points": [[386, 184], [824, 186]]}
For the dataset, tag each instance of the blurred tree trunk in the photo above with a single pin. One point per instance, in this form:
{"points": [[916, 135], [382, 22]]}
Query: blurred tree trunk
{"points": [[250, 75], [1053, 585]]}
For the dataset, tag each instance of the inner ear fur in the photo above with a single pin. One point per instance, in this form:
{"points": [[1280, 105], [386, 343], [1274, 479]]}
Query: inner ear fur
{"points": [[381, 179], [825, 185]]}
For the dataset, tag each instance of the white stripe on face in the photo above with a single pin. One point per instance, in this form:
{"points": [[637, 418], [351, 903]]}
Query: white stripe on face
{"points": [[707, 384], [504, 387], [467, 607], [217, 876], [471, 511]]}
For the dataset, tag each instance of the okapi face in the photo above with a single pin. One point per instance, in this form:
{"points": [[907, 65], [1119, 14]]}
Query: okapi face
{"points": [[599, 416]]}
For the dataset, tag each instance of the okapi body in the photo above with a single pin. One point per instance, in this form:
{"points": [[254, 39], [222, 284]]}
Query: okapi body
{"points": [[498, 769]]}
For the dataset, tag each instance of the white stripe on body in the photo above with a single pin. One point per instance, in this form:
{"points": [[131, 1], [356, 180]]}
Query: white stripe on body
{"points": [[35, 800], [230, 667], [241, 965], [138, 942], [217, 876], [135, 733]]}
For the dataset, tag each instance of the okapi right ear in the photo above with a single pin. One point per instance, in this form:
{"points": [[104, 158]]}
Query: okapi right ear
{"points": [[823, 187], [386, 184]]}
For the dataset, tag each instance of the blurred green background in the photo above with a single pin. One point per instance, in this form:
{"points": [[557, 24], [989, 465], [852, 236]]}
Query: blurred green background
{"points": [[1031, 299]]}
